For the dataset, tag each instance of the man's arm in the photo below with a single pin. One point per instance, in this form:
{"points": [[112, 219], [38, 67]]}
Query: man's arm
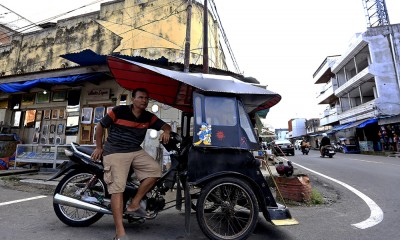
{"points": [[98, 152], [166, 133]]}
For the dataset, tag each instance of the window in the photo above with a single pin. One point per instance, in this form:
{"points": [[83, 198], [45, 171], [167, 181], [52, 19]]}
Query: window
{"points": [[245, 124], [220, 111], [197, 103]]}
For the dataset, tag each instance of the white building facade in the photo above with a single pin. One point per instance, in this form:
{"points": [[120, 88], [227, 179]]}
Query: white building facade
{"points": [[362, 87]]}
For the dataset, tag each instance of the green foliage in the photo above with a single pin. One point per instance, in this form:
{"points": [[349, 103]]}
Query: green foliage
{"points": [[316, 197], [10, 178]]}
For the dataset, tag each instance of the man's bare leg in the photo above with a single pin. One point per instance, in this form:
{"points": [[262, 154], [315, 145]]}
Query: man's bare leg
{"points": [[144, 187], [117, 210]]}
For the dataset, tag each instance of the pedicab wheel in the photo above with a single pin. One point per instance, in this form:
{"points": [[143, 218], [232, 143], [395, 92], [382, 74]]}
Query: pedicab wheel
{"points": [[194, 195], [236, 209]]}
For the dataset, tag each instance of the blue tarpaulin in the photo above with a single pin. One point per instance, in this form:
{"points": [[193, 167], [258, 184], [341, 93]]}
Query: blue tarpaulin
{"points": [[338, 128], [369, 121], [24, 86], [87, 57]]}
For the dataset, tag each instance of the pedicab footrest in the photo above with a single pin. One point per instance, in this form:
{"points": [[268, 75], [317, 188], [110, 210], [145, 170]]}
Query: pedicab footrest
{"points": [[280, 216], [285, 222]]}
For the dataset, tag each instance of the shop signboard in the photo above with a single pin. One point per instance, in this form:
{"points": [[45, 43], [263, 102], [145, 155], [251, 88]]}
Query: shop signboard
{"points": [[366, 146], [98, 94]]}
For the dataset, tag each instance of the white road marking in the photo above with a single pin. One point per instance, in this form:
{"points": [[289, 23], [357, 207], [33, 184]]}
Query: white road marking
{"points": [[21, 200], [368, 161], [376, 215]]}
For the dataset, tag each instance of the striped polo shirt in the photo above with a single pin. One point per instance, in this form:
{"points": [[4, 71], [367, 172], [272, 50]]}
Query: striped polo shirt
{"points": [[125, 131]]}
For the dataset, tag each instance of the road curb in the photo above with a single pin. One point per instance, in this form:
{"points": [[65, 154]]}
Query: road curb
{"points": [[11, 172]]}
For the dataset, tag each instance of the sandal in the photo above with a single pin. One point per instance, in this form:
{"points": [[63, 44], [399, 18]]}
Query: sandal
{"points": [[125, 237], [140, 212]]}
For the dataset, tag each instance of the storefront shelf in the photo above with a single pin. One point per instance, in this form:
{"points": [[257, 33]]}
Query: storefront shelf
{"points": [[36, 153]]}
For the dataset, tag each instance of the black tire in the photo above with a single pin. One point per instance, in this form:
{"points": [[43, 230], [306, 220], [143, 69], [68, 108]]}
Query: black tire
{"points": [[210, 206], [330, 156], [69, 186], [236, 213]]}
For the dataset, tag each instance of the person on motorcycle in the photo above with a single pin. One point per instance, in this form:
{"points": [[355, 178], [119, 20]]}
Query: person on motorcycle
{"points": [[325, 141], [304, 144], [127, 126]]}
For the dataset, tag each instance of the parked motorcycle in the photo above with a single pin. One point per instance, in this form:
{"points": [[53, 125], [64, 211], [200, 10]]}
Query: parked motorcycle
{"points": [[81, 197], [337, 147], [328, 151]]}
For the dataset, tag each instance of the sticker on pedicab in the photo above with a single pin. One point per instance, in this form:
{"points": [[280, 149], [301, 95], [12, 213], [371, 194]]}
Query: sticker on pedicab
{"points": [[204, 134], [220, 135], [243, 141]]}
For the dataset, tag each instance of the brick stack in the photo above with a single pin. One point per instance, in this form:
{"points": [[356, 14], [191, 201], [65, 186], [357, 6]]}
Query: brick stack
{"points": [[295, 188]]}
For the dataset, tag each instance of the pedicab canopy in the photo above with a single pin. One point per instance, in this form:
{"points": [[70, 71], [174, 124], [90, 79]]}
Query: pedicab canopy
{"points": [[175, 88]]}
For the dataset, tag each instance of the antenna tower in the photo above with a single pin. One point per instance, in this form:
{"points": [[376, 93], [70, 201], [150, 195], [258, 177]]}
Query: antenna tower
{"points": [[376, 13]]}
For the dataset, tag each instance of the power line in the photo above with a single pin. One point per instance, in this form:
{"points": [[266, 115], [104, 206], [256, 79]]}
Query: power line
{"points": [[32, 25], [235, 64], [174, 12], [11, 11]]}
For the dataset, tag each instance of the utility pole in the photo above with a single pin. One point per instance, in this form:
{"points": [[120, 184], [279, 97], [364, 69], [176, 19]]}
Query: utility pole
{"points": [[205, 38], [187, 42], [377, 16]]}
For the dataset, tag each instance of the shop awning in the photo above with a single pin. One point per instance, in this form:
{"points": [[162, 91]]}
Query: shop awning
{"points": [[87, 58], [369, 121], [353, 124], [339, 127], [25, 86]]}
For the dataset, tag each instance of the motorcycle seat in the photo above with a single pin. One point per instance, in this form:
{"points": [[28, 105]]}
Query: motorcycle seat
{"points": [[85, 149]]}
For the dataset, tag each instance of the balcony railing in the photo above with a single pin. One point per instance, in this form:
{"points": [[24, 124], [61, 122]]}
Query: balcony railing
{"points": [[328, 120], [354, 82], [356, 45], [366, 110]]}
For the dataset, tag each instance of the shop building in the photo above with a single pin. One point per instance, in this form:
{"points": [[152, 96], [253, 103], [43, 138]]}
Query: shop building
{"points": [[361, 89], [55, 84]]}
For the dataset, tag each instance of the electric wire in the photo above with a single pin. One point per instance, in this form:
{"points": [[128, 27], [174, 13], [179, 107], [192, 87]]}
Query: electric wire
{"points": [[236, 65], [113, 23], [62, 14], [86, 46], [27, 27]]}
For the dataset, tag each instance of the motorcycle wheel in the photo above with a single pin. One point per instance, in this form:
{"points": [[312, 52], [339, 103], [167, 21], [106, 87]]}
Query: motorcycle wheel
{"points": [[71, 186], [236, 213]]}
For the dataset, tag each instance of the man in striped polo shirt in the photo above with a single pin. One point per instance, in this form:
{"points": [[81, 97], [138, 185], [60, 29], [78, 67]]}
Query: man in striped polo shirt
{"points": [[127, 126]]}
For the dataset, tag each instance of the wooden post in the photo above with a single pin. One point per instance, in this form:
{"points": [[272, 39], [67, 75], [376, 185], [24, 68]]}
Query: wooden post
{"points": [[187, 41], [205, 37]]}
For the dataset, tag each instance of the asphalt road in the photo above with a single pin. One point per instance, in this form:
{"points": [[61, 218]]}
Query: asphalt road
{"points": [[375, 177]]}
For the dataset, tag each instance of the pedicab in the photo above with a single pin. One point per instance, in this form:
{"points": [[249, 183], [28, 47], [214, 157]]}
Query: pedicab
{"points": [[219, 139]]}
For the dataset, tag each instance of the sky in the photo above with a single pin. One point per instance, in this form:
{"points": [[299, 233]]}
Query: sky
{"points": [[280, 43]]}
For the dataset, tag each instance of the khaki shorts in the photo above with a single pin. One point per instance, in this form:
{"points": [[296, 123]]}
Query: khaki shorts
{"points": [[117, 165]]}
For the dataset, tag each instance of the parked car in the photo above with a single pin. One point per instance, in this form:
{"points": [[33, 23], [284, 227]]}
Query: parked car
{"points": [[297, 144], [283, 147]]}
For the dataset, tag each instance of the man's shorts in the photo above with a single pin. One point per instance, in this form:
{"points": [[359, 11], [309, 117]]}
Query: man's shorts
{"points": [[117, 165]]}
